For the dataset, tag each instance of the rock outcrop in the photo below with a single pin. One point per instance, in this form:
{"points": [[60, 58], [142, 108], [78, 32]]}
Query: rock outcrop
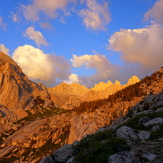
{"points": [[16, 91], [143, 143], [134, 79]]}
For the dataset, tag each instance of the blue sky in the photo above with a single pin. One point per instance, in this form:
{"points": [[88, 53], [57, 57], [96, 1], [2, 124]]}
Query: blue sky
{"points": [[83, 41]]}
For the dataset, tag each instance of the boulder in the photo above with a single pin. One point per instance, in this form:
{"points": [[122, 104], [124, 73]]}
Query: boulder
{"points": [[149, 156], [155, 128], [127, 133], [143, 135], [123, 157], [159, 110], [71, 160], [154, 121], [143, 120], [47, 159], [64, 153]]}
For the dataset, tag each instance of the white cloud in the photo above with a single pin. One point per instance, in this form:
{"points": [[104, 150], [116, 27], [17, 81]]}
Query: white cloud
{"points": [[73, 78], [104, 68], [48, 7], [156, 12], [35, 36], [2, 23], [96, 16], [4, 49], [41, 67], [143, 47]]}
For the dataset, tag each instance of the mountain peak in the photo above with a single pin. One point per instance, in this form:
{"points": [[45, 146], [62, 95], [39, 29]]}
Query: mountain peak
{"points": [[69, 89], [117, 82], [6, 59], [134, 79]]}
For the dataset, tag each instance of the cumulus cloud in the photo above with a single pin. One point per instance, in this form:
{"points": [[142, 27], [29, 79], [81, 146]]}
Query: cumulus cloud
{"points": [[2, 23], [96, 16], [35, 36], [40, 67], [4, 49], [156, 12], [104, 68], [73, 78], [143, 47], [49, 7]]}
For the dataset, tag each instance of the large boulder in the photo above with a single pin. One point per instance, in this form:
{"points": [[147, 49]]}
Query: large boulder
{"points": [[149, 156], [127, 133], [143, 135], [123, 157], [71, 160], [47, 159], [64, 153], [154, 121]]}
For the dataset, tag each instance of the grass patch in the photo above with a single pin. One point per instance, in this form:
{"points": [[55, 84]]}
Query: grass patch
{"points": [[98, 147]]}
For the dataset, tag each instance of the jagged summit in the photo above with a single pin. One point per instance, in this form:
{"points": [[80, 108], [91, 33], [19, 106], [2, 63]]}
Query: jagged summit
{"points": [[134, 79], [69, 89], [117, 82], [101, 86]]}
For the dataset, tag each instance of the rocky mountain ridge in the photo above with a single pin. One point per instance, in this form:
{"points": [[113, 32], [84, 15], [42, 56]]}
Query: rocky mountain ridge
{"points": [[47, 127], [69, 96]]}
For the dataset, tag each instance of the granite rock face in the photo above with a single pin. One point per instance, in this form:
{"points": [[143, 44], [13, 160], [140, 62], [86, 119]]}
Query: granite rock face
{"points": [[16, 91]]}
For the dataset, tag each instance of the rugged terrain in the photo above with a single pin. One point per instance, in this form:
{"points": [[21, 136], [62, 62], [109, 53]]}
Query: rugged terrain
{"points": [[35, 120]]}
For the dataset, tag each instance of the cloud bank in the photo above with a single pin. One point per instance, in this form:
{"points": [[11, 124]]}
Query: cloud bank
{"points": [[156, 12], [4, 49], [143, 47], [104, 68], [96, 16], [36, 36], [40, 67], [50, 8]]}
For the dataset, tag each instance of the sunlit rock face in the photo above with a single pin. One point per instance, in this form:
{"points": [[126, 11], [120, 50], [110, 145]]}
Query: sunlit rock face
{"points": [[69, 96], [134, 79], [16, 91]]}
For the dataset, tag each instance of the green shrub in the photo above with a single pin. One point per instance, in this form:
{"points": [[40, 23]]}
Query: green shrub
{"points": [[98, 147]]}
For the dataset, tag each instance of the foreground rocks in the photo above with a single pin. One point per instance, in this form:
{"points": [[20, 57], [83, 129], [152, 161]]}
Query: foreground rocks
{"points": [[144, 139]]}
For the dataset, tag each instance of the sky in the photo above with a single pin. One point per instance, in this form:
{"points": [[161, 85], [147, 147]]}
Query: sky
{"points": [[83, 41]]}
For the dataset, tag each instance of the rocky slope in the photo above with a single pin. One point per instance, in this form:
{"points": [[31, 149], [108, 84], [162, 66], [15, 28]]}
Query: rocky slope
{"points": [[45, 127], [137, 137]]}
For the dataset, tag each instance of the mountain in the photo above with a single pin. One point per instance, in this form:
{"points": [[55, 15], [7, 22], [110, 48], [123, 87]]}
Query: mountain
{"points": [[69, 89], [69, 96], [134, 79], [45, 126], [101, 86], [16, 91]]}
